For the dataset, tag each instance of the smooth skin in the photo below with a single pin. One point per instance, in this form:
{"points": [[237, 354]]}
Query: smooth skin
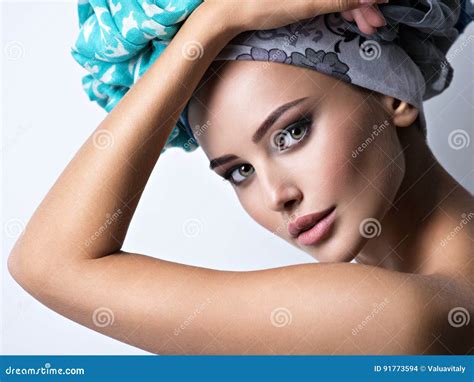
{"points": [[239, 312]]}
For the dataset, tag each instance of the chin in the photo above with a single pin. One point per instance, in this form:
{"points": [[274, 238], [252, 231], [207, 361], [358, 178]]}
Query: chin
{"points": [[336, 248], [331, 257]]}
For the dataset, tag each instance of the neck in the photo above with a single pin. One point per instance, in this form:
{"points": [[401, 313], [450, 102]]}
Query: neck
{"points": [[428, 204]]}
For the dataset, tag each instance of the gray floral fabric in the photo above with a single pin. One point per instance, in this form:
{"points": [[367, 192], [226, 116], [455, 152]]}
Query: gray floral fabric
{"points": [[119, 40], [405, 59]]}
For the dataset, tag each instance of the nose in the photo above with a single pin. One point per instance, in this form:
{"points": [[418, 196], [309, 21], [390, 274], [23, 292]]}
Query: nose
{"points": [[279, 191]]}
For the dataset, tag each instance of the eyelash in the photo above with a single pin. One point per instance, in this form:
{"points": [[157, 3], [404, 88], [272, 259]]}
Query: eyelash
{"points": [[305, 122]]}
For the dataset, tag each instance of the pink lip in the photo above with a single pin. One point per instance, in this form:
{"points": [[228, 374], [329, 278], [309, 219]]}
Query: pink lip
{"points": [[312, 228]]}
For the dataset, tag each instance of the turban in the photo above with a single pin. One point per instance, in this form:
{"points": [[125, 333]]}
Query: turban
{"points": [[406, 59]]}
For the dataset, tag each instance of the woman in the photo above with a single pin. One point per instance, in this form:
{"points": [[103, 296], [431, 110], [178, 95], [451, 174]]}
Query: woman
{"points": [[403, 296]]}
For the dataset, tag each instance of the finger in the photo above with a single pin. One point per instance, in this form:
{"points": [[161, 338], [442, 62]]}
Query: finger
{"points": [[347, 15], [333, 6], [373, 16], [362, 23]]}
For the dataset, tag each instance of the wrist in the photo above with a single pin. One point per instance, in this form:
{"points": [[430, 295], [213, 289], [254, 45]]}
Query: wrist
{"points": [[217, 17]]}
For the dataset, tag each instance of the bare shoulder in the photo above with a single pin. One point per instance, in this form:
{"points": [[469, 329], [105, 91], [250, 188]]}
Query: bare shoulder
{"points": [[170, 308], [449, 300], [358, 309]]}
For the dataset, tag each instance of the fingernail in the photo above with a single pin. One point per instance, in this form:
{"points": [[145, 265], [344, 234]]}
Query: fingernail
{"points": [[365, 2]]}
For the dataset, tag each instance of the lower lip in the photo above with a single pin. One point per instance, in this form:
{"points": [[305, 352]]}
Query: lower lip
{"points": [[319, 231]]}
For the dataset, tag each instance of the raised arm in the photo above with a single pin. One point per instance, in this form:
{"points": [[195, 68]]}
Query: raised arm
{"points": [[69, 256]]}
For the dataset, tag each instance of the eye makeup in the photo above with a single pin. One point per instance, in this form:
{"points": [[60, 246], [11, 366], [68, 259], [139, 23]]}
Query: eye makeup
{"points": [[282, 140]]}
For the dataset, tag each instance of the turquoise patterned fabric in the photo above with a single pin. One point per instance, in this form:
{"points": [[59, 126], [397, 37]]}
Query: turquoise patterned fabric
{"points": [[119, 40]]}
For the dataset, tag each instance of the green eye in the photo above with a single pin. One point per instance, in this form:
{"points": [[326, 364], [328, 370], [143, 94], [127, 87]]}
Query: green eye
{"points": [[282, 139], [287, 137], [297, 132], [238, 174]]}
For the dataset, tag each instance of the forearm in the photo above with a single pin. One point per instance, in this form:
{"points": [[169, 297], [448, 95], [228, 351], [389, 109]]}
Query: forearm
{"points": [[108, 174]]}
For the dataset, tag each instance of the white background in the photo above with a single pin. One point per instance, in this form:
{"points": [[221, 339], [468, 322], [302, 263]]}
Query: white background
{"points": [[46, 116]]}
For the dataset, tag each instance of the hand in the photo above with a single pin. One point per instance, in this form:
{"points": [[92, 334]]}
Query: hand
{"points": [[268, 14], [368, 18]]}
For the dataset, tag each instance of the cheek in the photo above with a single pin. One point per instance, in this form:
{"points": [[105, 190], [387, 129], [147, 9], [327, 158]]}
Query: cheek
{"points": [[358, 162], [322, 167], [389, 165], [374, 171], [262, 215]]}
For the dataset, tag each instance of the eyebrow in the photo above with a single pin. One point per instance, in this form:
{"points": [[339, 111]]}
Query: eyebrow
{"points": [[261, 131]]}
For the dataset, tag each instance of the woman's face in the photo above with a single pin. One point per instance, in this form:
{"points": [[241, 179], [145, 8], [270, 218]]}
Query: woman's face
{"points": [[329, 145]]}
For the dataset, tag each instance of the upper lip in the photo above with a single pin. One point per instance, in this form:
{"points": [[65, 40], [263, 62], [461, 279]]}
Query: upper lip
{"points": [[305, 222]]}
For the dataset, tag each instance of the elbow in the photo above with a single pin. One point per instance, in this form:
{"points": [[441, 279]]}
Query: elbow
{"points": [[21, 267], [14, 267], [14, 260]]}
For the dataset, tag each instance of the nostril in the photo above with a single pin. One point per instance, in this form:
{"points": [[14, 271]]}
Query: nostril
{"points": [[289, 204]]}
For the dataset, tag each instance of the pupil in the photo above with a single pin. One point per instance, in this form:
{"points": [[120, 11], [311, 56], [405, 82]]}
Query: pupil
{"points": [[242, 169], [296, 128]]}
